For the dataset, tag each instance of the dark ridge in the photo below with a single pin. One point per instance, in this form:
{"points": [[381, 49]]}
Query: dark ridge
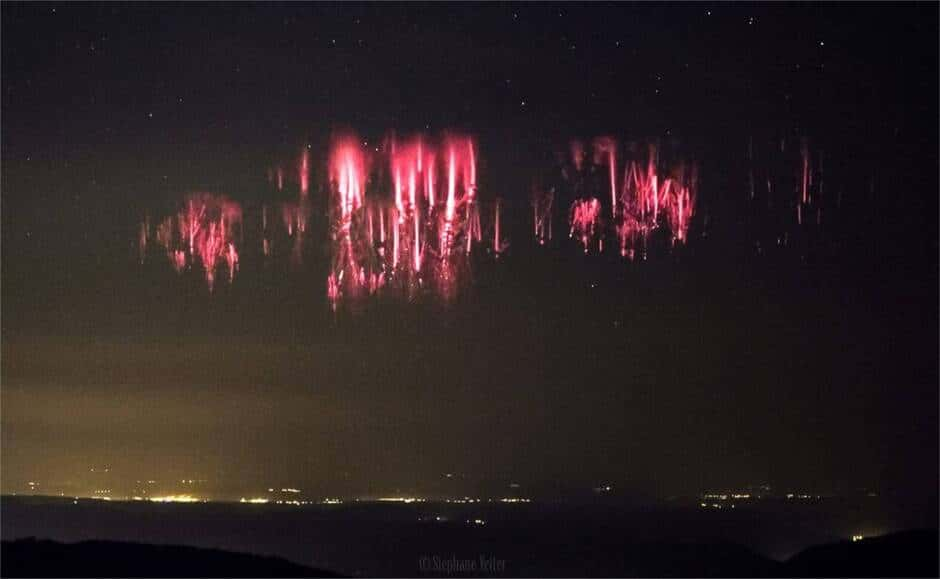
{"points": [[904, 554], [41, 558]]}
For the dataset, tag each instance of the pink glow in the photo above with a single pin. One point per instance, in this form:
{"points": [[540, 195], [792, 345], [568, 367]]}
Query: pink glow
{"points": [[406, 206], [206, 228], [585, 217], [577, 154], [304, 173], [607, 147], [542, 208], [649, 197]]}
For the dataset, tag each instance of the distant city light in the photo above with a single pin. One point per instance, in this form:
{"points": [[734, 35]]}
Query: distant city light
{"points": [[255, 500], [177, 499]]}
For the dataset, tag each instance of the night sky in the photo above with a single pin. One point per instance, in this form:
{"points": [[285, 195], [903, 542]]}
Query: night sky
{"points": [[711, 367]]}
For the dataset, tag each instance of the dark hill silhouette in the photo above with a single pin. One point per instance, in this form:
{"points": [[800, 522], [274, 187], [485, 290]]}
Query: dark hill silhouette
{"points": [[681, 560], [904, 554], [40, 558]]}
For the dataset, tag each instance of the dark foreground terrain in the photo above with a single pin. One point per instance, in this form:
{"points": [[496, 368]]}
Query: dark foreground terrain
{"points": [[32, 558], [904, 554], [49, 536]]}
